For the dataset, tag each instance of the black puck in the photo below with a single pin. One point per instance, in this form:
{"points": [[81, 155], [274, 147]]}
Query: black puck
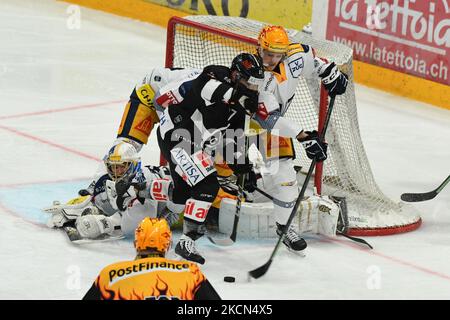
{"points": [[229, 279]]}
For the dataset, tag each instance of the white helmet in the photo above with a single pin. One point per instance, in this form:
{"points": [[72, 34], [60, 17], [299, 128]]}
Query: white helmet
{"points": [[122, 161]]}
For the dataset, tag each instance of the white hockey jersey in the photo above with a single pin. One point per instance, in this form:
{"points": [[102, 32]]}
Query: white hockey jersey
{"points": [[159, 77], [279, 88]]}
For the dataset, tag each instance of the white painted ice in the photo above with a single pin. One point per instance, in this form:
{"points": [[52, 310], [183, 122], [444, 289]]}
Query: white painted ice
{"points": [[45, 67]]}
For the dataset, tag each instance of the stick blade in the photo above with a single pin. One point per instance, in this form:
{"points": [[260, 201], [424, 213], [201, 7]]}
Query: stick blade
{"points": [[225, 242], [417, 197], [260, 271]]}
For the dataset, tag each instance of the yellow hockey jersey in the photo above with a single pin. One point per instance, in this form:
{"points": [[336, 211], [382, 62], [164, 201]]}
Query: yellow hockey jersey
{"points": [[154, 278]]}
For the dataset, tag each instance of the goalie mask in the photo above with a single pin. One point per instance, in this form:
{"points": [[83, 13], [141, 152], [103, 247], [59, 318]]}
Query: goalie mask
{"points": [[153, 235], [249, 70], [122, 162]]}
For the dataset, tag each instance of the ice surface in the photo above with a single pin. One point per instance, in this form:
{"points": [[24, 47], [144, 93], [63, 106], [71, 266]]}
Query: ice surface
{"points": [[87, 74]]}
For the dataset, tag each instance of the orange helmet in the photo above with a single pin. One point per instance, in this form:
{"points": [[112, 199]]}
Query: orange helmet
{"points": [[273, 39], [153, 234]]}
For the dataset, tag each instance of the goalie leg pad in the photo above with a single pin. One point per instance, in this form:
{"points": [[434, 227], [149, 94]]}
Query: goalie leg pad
{"points": [[318, 214], [92, 226], [62, 213]]}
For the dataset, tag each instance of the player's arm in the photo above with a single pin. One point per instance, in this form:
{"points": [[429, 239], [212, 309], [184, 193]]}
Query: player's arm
{"points": [[206, 292], [176, 88], [269, 117], [218, 88], [213, 86], [332, 78], [154, 184]]}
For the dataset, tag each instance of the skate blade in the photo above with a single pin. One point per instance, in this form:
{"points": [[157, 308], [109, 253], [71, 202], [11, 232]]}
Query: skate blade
{"points": [[300, 253]]}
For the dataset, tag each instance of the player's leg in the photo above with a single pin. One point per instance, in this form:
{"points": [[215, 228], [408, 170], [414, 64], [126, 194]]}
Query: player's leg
{"points": [[195, 213], [280, 181]]}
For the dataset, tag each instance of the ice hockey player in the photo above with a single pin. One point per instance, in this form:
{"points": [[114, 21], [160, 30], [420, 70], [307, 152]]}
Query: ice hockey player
{"points": [[190, 131], [285, 63], [121, 198], [151, 276], [141, 114]]}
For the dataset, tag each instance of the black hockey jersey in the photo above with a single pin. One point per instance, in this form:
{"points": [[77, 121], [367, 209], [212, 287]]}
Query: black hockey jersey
{"points": [[206, 111]]}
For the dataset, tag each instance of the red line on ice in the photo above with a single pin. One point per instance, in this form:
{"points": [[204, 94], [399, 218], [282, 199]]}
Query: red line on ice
{"points": [[22, 184], [393, 259], [29, 136], [15, 214], [36, 113]]}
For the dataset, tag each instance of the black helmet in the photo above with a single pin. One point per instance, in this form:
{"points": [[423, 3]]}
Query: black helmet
{"points": [[249, 67]]}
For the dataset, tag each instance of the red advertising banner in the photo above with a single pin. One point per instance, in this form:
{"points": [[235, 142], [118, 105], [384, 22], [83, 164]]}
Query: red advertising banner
{"points": [[410, 36]]}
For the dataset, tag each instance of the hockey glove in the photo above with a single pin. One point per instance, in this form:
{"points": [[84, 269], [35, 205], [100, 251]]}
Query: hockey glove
{"points": [[239, 169], [125, 194], [314, 147], [247, 169], [247, 98], [334, 80]]}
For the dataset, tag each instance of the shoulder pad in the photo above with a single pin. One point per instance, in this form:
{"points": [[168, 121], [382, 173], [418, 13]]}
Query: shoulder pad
{"points": [[296, 48], [220, 73], [100, 184], [145, 94]]}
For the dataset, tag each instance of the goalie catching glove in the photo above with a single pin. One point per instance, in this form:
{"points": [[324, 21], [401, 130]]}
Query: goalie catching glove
{"points": [[334, 80], [314, 147]]}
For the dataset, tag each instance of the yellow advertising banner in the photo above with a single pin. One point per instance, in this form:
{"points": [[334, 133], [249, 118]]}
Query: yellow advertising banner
{"points": [[290, 13]]}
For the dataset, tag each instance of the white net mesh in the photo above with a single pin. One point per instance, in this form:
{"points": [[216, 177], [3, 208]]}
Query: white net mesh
{"points": [[346, 172]]}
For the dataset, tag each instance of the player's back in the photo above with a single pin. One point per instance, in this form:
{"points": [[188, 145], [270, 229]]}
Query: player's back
{"points": [[149, 278]]}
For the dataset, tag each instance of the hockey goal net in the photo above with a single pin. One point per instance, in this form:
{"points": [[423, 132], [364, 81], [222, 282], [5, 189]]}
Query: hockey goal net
{"points": [[197, 41]]}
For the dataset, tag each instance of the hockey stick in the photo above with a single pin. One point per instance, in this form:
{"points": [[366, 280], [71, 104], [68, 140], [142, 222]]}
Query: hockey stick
{"points": [[260, 271], [359, 240], [275, 200], [416, 197]]}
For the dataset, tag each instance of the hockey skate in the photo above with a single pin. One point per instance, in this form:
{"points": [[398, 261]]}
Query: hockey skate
{"points": [[291, 239], [186, 249]]}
